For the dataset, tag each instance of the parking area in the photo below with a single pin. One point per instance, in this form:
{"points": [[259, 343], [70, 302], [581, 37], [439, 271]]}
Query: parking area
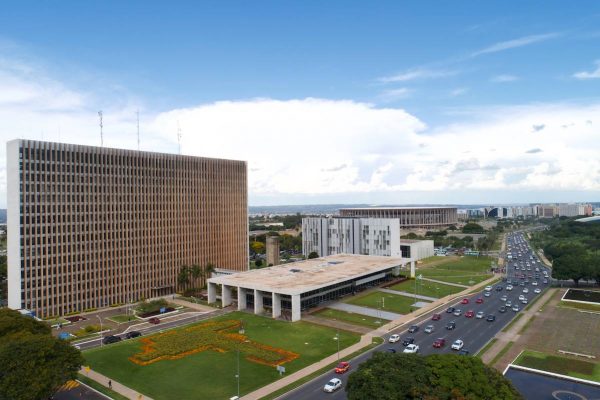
{"points": [[542, 387]]}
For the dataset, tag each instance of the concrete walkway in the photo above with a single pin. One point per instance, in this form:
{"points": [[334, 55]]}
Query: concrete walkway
{"points": [[116, 386], [512, 334], [446, 283], [365, 340], [407, 294], [195, 306], [371, 312]]}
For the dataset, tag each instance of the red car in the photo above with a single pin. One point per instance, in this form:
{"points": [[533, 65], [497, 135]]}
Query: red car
{"points": [[154, 320], [436, 317], [342, 367], [479, 300], [469, 314], [464, 301], [439, 343]]}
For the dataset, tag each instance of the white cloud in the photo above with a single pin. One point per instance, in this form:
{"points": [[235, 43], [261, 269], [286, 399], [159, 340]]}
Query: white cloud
{"points": [[504, 78], [458, 91], [589, 75], [395, 94], [514, 43], [417, 74]]}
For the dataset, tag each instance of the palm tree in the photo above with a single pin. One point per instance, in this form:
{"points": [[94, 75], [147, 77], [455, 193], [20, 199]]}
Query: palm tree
{"points": [[196, 272], [183, 278]]}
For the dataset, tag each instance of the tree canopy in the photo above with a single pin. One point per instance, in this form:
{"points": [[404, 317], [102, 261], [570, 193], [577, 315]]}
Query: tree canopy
{"points": [[472, 227], [313, 254], [389, 376], [33, 364]]}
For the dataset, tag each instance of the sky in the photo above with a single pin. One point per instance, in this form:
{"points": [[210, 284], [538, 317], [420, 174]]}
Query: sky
{"points": [[386, 102]]}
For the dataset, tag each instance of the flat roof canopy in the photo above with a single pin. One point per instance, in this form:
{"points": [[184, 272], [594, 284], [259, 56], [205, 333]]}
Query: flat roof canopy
{"points": [[304, 276]]}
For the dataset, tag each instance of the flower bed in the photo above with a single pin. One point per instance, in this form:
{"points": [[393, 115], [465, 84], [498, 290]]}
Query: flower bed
{"points": [[75, 318], [220, 336]]}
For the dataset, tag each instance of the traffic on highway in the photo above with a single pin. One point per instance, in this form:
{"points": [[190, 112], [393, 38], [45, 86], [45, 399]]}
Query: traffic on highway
{"points": [[463, 327]]}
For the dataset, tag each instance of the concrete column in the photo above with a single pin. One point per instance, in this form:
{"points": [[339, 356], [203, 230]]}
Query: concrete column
{"points": [[226, 296], [241, 299], [396, 270], [412, 269], [276, 305], [296, 307], [212, 292], [258, 302]]}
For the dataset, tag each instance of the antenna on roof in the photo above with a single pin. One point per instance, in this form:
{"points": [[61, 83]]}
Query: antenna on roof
{"points": [[179, 136], [101, 126], [138, 128]]}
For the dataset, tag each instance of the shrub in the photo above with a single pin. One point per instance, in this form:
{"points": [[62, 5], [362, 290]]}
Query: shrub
{"points": [[147, 307]]}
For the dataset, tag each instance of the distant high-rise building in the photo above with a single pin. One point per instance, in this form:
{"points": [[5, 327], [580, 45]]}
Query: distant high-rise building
{"points": [[90, 227], [408, 217]]}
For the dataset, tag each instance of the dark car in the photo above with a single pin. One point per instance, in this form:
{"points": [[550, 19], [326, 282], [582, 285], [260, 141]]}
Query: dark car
{"points": [[499, 288], [132, 334], [463, 352], [407, 341], [436, 317], [502, 309], [450, 310], [111, 339], [491, 318], [154, 320], [451, 325], [439, 343], [413, 328]]}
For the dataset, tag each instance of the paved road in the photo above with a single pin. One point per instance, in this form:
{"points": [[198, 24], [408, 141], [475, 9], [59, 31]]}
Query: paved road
{"points": [[475, 333]]}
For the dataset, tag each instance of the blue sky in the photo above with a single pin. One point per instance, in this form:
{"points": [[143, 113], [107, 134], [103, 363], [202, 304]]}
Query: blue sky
{"points": [[449, 77]]}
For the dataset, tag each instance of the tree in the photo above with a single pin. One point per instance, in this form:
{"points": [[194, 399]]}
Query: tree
{"points": [[33, 364], [195, 271], [435, 377], [258, 263], [313, 254], [258, 247], [472, 228], [183, 278]]}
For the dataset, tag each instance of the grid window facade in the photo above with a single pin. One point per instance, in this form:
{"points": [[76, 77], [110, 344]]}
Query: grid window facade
{"points": [[99, 226]]}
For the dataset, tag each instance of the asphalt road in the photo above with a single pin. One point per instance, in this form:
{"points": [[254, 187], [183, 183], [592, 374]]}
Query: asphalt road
{"points": [[475, 333]]}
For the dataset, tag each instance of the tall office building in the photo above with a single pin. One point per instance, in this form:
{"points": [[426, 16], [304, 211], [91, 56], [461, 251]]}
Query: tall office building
{"points": [[90, 227]]}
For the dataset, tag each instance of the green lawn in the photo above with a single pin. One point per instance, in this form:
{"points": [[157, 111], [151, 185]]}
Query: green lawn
{"points": [[352, 318], [464, 271], [560, 365], [426, 288], [119, 319], [102, 389], [580, 306], [210, 374], [394, 303]]}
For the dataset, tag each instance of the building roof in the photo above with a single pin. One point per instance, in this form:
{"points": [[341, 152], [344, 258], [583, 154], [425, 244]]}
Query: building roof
{"points": [[589, 219], [304, 276]]}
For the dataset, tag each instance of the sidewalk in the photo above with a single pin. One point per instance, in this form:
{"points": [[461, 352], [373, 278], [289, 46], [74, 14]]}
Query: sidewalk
{"points": [[512, 335], [365, 340], [195, 306], [407, 294], [116, 386]]}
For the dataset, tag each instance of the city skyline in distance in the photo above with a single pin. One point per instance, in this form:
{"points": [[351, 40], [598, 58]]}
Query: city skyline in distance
{"points": [[488, 104]]}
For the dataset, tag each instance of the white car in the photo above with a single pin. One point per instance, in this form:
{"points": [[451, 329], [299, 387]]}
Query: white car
{"points": [[534, 283], [509, 287], [411, 349], [525, 290], [457, 345], [480, 315], [537, 290], [521, 297], [429, 328], [332, 385], [524, 301], [488, 288], [394, 338], [487, 294]]}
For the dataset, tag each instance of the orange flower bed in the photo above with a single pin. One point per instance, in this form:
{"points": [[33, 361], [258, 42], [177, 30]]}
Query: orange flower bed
{"points": [[212, 335]]}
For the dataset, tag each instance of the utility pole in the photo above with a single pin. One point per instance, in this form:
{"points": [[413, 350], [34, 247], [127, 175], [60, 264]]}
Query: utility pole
{"points": [[101, 126]]}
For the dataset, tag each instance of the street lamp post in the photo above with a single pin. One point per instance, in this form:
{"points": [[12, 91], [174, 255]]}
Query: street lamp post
{"points": [[337, 338], [101, 333]]}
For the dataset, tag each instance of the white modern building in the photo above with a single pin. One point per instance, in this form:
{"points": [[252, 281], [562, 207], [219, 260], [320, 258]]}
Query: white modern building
{"points": [[288, 289]]}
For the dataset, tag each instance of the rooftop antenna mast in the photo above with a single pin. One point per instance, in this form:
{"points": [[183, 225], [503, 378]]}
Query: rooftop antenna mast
{"points": [[101, 126], [179, 136], [138, 128]]}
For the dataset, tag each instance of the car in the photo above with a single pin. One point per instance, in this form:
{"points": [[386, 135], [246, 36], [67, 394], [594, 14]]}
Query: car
{"points": [[509, 287], [436, 317], [463, 352], [524, 301], [515, 308], [534, 283], [522, 284], [490, 318], [509, 281], [488, 288], [429, 328], [525, 290], [470, 314], [457, 312], [411, 349], [508, 303], [487, 294], [457, 345], [537, 290], [499, 288], [545, 281], [479, 300], [413, 328], [132, 334], [333, 385], [504, 298], [480, 315], [111, 339], [451, 325], [394, 338], [408, 340], [342, 367], [450, 310], [521, 297], [464, 301], [390, 350], [502, 309], [439, 343], [154, 320]]}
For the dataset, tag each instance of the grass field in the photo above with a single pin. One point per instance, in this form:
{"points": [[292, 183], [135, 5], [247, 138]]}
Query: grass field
{"points": [[465, 270], [352, 318], [102, 389], [212, 375], [426, 288], [394, 303], [119, 319], [560, 365], [579, 306]]}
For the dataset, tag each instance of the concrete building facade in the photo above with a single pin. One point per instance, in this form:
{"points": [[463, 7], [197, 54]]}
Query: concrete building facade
{"points": [[90, 227], [408, 217], [272, 248]]}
